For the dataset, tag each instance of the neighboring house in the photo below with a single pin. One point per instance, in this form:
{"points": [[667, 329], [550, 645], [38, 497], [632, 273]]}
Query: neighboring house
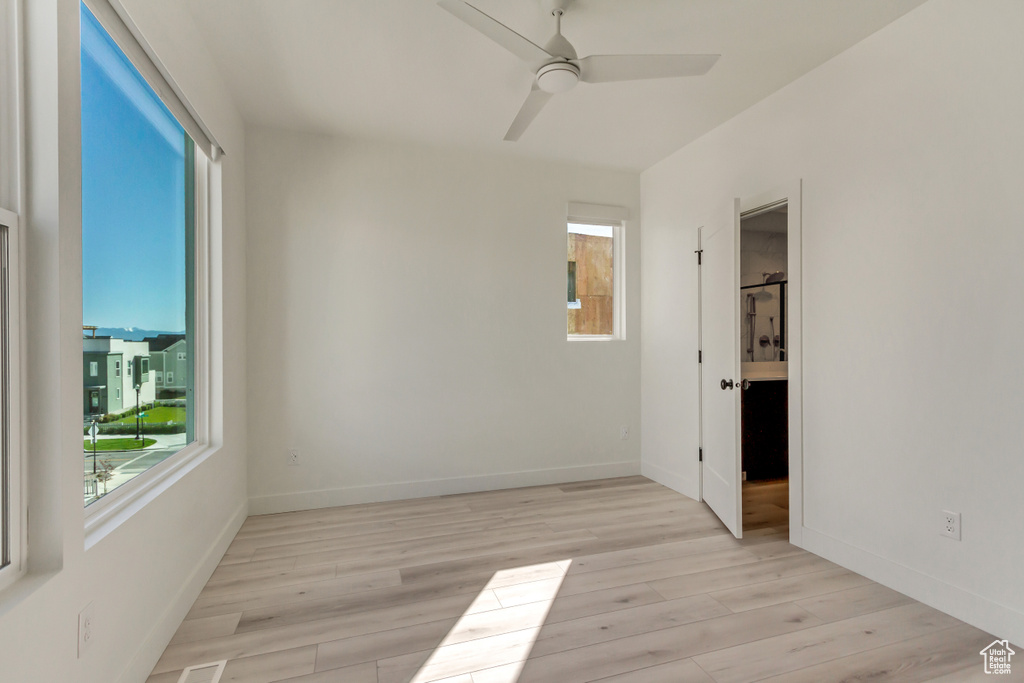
{"points": [[168, 364], [110, 370]]}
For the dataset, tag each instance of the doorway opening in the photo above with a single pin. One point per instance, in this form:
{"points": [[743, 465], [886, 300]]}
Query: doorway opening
{"points": [[764, 327]]}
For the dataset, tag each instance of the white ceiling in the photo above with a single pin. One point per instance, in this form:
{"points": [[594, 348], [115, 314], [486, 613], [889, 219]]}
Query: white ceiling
{"points": [[408, 70]]}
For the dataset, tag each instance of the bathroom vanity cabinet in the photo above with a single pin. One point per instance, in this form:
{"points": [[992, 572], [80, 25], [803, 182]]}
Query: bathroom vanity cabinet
{"points": [[765, 428]]}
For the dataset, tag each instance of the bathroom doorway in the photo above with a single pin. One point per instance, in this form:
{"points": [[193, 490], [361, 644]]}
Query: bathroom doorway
{"points": [[764, 398], [751, 347]]}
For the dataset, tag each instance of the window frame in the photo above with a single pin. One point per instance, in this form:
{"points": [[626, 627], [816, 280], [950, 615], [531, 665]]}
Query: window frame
{"points": [[13, 536], [615, 217], [109, 511]]}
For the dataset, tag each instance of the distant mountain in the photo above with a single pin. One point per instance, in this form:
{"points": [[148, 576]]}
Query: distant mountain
{"points": [[127, 333]]}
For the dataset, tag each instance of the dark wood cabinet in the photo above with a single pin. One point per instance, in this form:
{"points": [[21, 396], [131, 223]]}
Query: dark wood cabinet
{"points": [[766, 430]]}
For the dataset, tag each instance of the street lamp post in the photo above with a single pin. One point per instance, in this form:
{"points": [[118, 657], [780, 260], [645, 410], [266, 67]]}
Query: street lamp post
{"points": [[138, 427]]}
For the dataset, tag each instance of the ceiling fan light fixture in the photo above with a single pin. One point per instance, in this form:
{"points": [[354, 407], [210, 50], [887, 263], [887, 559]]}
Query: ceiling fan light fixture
{"points": [[558, 77]]}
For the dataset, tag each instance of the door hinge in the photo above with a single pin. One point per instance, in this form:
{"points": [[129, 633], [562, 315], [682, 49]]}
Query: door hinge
{"points": [[700, 356], [698, 253], [700, 455]]}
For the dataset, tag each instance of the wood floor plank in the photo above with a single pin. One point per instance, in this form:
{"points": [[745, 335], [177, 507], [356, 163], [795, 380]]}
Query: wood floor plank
{"points": [[568, 607], [592, 662], [206, 627], [601, 628], [360, 673], [208, 604], [679, 671], [288, 577], [787, 589], [457, 659], [780, 654], [913, 660], [739, 576], [271, 667], [371, 647], [853, 602], [311, 632]]}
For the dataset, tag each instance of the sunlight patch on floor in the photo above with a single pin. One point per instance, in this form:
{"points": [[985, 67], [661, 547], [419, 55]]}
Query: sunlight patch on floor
{"points": [[492, 640]]}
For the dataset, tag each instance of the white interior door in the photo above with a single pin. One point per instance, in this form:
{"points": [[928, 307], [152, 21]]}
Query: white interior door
{"points": [[720, 370]]}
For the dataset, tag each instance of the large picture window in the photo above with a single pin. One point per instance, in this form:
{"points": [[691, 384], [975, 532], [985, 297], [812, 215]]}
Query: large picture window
{"points": [[138, 269]]}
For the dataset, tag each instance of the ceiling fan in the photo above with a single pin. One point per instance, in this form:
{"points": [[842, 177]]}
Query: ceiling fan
{"points": [[558, 68]]}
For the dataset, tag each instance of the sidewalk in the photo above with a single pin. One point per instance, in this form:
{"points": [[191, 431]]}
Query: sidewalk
{"points": [[131, 464]]}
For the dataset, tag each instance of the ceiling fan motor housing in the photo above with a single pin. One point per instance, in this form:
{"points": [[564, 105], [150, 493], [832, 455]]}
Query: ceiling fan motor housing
{"points": [[558, 77]]}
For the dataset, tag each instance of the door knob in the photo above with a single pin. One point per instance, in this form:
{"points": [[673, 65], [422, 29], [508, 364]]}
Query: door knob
{"points": [[745, 384], [726, 384]]}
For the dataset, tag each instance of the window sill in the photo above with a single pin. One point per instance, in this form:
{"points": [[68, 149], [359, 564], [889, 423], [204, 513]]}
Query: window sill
{"points": [[574, 305], [24, 585], [593, 337], [109, 512]]}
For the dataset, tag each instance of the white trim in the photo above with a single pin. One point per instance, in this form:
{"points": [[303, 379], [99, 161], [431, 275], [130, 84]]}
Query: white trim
{"points": [[969, 607], [583, 212], [164, 626], [18, 509], [12, 97], [352, 495], [591, 337], [673, 480], [110, 511]]}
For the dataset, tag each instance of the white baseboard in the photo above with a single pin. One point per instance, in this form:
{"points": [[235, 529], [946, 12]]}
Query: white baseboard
{"points": [[676, 482], [352, 495], [166, 624], [989, 616]]}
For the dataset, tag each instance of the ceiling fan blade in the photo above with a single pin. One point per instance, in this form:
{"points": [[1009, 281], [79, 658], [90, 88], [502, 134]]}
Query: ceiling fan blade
{"points": [[535, 101], [529, 52], [609, 68]]}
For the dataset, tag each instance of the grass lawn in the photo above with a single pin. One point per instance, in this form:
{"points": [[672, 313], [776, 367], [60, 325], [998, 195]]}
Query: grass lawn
{"points": [[126, 444], [160, 414]]}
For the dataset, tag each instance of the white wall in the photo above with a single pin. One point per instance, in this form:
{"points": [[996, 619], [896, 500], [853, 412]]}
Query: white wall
{"points": [[407, 324], [909, 146], [142, 576]]}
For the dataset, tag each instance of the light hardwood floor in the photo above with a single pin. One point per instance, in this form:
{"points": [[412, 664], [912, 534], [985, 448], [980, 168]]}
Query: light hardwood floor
{"points": [[620, 580]]}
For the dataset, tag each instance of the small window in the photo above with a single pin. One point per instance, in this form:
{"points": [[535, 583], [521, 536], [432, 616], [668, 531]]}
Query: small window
{"points": [[591, 295], [181, 355], [94, 369], [117, 394], [117, 368], [170, 377]]}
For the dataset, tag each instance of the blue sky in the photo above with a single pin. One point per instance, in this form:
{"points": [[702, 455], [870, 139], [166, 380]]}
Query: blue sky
{"points": [[133, 194]]}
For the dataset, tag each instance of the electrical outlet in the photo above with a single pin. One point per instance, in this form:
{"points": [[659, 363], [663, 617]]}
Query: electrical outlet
{"points": [[86, 623], [293, 457], [950, 524], [624, 433]]}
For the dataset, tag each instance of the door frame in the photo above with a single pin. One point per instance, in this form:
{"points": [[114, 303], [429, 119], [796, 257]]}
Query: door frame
{"points": [[792, 194]]}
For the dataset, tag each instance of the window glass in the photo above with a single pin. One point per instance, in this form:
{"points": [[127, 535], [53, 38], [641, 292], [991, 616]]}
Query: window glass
{"points": [[138, 193], [591, 308]]}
